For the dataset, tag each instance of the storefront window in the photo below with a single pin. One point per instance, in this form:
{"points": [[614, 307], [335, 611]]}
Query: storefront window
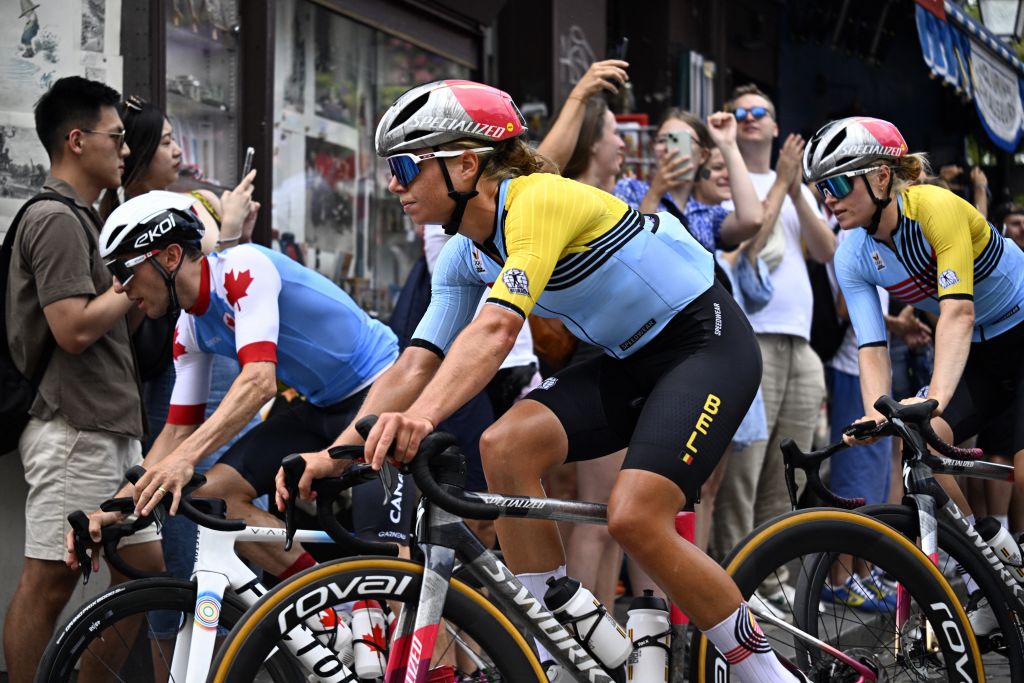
{"points": [[334, 77]]}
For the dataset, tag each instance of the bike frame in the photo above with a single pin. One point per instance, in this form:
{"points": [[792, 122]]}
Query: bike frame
{"points": [[218, 568], [444, 537], [929, 500]]}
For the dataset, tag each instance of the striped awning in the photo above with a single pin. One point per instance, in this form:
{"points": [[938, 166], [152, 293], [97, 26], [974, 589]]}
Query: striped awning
{"points": [[978, 65]]}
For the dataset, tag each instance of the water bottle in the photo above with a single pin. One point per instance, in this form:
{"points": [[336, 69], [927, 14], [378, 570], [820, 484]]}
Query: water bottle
{"points": [[650, 632], [588, 620], [1000, 540], [369, 639], [332, 629]]}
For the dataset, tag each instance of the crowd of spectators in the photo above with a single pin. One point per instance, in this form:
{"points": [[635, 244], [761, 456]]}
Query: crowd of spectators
{"points": [[98, 400]]}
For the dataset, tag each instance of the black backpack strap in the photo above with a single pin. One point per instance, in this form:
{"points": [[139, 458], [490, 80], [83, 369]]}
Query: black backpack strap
{"points": [[8, 248]]}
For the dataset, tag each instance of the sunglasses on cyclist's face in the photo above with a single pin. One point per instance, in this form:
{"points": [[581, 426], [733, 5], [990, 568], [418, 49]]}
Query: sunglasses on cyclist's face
{"points": [[758, 113], [406, 166], [124, 269], [840, 186]]}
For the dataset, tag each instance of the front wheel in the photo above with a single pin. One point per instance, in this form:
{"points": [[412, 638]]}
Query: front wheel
{"points": [[480, 643], [931, 641], [128, 634]]}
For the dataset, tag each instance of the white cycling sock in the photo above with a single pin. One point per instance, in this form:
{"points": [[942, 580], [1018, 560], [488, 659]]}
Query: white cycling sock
{"points": [[537, 584], [746, 649], [1004, 520], [970, 585]]}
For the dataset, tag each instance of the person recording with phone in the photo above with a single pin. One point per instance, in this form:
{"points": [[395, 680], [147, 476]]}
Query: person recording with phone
{"points": [[606, 76], [682, 150]]}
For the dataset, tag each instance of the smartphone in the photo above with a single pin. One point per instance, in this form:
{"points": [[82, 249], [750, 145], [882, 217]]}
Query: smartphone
{"points": [[617, 50], [247, 164], [681, 142]]}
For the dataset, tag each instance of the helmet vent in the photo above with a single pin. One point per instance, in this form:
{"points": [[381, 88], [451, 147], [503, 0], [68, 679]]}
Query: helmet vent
{"points": [[416, 135], [115, 234], [410, 109], [834, 143]]}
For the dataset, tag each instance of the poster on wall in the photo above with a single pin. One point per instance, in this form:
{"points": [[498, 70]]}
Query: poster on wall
{"points": [[42, 41]]}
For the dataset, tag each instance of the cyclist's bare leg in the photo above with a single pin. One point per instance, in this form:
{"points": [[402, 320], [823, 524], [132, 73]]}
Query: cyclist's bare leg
{"points": [[43, 590], [705, 509], [223, 481], [516, 450], [592, 555], [641, 517]]}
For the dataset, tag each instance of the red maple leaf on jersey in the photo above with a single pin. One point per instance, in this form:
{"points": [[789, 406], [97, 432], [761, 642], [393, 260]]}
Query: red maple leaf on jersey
{"points": [[176, 348], [237, 287]]}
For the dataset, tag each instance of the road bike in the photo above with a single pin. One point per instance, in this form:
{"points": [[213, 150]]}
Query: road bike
{"points": [[160, 628], [429, 593]]}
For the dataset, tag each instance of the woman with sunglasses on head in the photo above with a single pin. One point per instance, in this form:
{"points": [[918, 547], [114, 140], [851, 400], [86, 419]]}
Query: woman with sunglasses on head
{"points": [[931, 249], [671, 186], [640, 287]]}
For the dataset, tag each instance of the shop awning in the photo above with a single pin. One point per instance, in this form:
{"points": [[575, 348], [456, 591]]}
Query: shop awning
{"points": [[969, 58]]}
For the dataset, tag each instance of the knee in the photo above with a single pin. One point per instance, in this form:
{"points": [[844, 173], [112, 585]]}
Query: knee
{"points": [[629, 526], [226, 483], [496, 452], [49, 589]]}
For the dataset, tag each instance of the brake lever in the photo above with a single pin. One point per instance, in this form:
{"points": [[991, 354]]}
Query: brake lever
{"points": [[386, 480], [80, 526], [293, 465], [864, 430]]}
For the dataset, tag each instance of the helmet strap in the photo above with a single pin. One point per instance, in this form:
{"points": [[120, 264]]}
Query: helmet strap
{"points": [[169, 276], [880, 204], [460, 198]]}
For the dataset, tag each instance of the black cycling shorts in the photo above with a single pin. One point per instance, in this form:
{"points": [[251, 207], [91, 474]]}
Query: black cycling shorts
{"points": [[676, 402], [302, 428], [989, 396]]}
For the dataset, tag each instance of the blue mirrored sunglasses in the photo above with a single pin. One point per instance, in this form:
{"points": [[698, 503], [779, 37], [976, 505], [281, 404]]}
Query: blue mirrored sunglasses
{"points": [[406, 166], [839, 186], [757, 112]]}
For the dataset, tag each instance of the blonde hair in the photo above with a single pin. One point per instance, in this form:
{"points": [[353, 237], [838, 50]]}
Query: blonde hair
{"points": [[510, 158], [908, 169]]}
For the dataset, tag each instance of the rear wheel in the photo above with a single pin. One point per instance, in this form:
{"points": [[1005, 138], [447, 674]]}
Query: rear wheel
{"points": [[788, 557]]}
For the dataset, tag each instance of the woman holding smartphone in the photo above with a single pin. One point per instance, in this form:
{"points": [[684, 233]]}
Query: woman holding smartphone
{"points": [[682, 149]]}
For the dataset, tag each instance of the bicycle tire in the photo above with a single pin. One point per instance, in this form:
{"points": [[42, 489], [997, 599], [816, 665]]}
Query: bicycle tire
{"points": [[397, 581], [790, 540], [91, 634], [1008, 612]]}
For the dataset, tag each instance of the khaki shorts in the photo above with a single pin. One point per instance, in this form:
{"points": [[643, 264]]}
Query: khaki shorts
{"points": [[66, 470]]}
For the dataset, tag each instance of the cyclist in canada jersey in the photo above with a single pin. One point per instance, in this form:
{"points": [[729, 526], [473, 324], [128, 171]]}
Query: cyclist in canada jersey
{"points": [[679, 371], [933, 250], [283, 322]]}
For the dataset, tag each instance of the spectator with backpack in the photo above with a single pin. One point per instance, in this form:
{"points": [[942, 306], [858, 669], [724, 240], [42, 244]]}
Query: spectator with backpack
{"points": [[66, 329]]}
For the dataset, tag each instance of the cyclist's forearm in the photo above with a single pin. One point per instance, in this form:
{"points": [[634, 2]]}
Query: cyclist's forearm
{"points": [[875, 377], [254, 386], [475, 358], [952, 346]]}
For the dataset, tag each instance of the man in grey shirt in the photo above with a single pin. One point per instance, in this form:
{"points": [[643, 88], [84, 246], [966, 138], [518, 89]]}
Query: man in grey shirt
{"points": [[87, 416]]}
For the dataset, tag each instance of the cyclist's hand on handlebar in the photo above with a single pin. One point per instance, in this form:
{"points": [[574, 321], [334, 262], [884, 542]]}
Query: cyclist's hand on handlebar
{"points": [[396, 435], [97, 520], [861, 432], [919, 399], [166, 478], [318, 466]]}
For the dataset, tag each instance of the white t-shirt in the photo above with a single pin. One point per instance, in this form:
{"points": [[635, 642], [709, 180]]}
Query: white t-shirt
{"points": [[522, 353], [789, 311], [846, 358]]}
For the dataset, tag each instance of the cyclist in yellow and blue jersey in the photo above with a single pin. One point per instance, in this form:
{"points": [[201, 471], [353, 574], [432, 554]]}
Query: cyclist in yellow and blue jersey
{"points": [[933, 250], [680, 364]]}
